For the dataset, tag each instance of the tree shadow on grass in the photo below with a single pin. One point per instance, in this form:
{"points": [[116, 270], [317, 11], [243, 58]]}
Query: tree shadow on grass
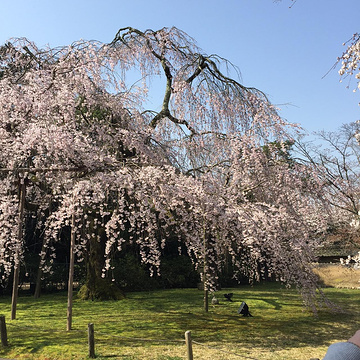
{"points": [[273, 303], [32, 340]]}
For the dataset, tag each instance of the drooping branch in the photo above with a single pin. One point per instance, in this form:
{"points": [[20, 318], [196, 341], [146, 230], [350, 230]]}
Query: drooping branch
{"points": [[121, 35], [165, 111], [182, 61]]}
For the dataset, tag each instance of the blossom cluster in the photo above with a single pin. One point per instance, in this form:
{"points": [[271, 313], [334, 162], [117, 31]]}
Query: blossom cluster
{"points": [[350, 60]]}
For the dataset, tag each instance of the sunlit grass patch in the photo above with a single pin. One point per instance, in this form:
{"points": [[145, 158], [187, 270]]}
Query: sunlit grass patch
{"points": [[151, 325], [335, 275]]}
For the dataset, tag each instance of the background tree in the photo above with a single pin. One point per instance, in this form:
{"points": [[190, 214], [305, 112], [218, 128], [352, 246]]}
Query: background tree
{"points": [[335, 156]]}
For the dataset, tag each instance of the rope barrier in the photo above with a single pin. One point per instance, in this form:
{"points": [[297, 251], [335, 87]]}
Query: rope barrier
{"points": [[140, 339], [97, 332], [127, 338], [27, 327], [175, 341]]}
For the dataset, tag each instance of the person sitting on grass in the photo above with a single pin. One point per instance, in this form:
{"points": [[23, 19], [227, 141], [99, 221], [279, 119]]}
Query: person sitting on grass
{"points": [[349, 350]]}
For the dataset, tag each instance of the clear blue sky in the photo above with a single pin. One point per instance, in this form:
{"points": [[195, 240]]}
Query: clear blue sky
{"points": [[283, 51]]}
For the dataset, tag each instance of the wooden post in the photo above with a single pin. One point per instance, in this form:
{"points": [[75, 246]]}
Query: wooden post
{"points": [[15, 288], [71, 274], [206, 291], [206, 297], [189, 345], [91, 339], [3, 332]]}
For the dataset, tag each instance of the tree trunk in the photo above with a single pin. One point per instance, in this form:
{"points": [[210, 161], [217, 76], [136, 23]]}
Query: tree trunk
{"points": [[38, 283], [96, 287], [39, 274]]}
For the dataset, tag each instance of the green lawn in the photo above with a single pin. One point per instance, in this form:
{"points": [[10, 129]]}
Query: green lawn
{"points": [[280, 328]]}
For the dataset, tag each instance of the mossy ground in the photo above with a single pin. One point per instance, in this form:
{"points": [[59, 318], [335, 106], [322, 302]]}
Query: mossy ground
{"points": [[151, 325]]}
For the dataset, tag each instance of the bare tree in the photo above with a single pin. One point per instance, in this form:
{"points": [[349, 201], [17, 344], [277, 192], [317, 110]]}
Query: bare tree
{"points": [[336, 158]]}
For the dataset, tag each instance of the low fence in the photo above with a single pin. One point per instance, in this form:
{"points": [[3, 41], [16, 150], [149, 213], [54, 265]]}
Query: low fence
{"points": [[188, 341]]}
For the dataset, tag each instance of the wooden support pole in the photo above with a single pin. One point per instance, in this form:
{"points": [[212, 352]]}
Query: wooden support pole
{"points": [[15, 289], [205, 274], [3, 332], [71, 275], [91, 340], [206, 297], [189, 345]]}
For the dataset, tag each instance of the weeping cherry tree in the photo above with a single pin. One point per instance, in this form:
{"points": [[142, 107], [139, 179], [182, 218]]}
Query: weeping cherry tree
{"points": [[207, 165]]}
